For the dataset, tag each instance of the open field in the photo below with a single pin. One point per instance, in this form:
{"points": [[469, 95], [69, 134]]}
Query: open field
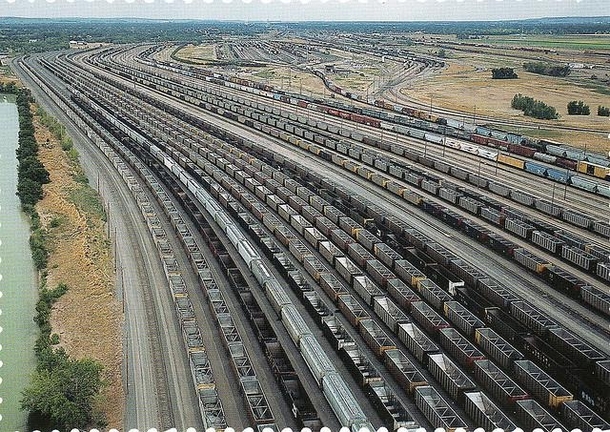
{"points": [[569, 42], [474, 92], [466, 84], [197, 53]]}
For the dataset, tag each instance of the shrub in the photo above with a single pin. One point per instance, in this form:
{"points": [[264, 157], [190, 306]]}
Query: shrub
{"points": [[546, 69], [578, 108], [533, 108], [503, 73]]}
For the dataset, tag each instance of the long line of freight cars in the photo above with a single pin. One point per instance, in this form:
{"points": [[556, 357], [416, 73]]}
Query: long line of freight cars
{"points": [[587, 258], [301, 123], [298, 400], [259, 411], [210, 406], [287, 313], [419, 125], [564, 280], [375, 341], [547, 151], [558, 276], [334, 389]]}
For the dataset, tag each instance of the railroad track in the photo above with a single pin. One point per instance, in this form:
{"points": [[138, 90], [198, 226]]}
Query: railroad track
{"points": [[577, 203], [287, 150], [166, 418], [400, 98]]}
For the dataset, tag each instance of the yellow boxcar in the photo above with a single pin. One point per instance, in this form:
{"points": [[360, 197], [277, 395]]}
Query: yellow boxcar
{"points": [[512, 161], [599, 171]]}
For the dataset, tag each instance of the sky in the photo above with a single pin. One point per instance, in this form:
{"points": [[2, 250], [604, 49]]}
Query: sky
{"points": [[307, 10]]}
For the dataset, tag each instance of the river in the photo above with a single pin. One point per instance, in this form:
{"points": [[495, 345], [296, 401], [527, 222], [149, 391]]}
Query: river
{"points": [[18, 283]]}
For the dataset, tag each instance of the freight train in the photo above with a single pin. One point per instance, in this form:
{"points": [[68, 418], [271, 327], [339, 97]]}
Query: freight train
{"points": [[473, 202], [429, 185], [291, 218], [379, 253], [333, 387], [495, 213], [550, 152], [424, 126]]}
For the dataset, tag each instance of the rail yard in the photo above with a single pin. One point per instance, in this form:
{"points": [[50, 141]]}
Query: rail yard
{"points": [[334, 259]]}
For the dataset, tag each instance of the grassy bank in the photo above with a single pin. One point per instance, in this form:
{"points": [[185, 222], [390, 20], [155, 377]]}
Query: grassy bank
{"points": [[63, 391]]}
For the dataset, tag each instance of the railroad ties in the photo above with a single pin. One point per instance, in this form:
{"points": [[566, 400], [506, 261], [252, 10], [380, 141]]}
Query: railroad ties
{"points": [[396, 306]]}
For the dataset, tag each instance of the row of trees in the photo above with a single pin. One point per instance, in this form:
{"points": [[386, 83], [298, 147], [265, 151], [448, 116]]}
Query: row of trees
{"points": [[62, 391], [580, 108], [533, 108], [547, 69], [534, 67], [31, 173]]}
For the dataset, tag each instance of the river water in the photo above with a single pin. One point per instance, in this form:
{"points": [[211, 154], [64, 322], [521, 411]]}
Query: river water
{"points": [[18, 283]]}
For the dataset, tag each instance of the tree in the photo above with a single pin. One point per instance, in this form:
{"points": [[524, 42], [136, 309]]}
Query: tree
{"points": [[533, 108], [603, 111], [503, 73], [65, 393], [546, 69], [32, 169], [578, 108], [29, 192]]}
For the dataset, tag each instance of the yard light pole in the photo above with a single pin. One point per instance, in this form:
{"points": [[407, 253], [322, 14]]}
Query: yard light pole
{"points": [[367, 91]]}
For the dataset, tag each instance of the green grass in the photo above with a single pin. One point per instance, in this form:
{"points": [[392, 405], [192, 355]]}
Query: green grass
{"points": [[598, 88], [88, 201], [265, 74], [562, 42], [531, 132]]}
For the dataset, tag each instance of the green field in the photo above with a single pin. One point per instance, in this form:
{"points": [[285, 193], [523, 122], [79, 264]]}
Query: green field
{"points": [[572, 42]]}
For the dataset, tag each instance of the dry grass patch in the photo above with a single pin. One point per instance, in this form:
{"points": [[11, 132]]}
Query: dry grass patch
{"points": [[87, 318], [198, 52], [472, 90]]}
